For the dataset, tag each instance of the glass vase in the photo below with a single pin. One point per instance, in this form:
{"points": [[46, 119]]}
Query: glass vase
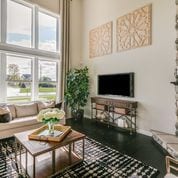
{"points": [[51, 128]]}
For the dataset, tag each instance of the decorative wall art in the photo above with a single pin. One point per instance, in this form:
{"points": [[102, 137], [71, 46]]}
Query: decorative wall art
{"points": [[100, 40], [134, 29]]}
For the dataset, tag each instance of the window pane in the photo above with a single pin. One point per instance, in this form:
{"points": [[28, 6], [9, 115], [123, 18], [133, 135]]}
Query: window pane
{"points": [[19, 24], [19, 79], [18, 92], [47, 71], [47, 80], [47, 91], [47, 32], [18, 68]]}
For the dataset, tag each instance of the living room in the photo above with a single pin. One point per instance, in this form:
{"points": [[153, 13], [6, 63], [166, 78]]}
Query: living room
{"points": [[41, 40]]}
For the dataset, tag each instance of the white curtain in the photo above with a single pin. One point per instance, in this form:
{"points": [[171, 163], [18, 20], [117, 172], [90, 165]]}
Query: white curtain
{"points": [[65, 41]]}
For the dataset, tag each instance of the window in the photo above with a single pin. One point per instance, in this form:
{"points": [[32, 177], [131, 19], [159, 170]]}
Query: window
{"points": [[19, 24], [47, 80], [19, 78], [30, 58], [47, 32]]}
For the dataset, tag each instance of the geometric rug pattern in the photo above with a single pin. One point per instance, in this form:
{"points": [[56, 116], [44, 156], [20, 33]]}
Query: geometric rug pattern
{"points": [[8, 167], [104, 162], [100, 162]]}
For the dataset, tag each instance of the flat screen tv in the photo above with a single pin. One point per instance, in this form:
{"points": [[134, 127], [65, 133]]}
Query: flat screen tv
{"points": [[116, 84]]}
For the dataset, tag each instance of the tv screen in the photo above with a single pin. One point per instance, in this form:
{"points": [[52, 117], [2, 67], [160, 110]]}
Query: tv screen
{"points": [[116, 84]]}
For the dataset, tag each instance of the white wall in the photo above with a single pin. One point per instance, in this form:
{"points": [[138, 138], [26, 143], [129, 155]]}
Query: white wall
{"points": [[153, 65], [53, 5], [75, 37]]}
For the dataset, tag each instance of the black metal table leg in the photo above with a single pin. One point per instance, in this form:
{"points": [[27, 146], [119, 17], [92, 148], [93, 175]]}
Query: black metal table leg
{"points": [[53, 161]]}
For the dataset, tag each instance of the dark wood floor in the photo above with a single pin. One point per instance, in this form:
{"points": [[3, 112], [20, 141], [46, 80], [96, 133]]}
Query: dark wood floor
{"points": [[138, 146]]}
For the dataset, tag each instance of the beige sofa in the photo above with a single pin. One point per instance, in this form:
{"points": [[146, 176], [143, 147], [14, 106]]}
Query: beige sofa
{"points": [[23, 118]]}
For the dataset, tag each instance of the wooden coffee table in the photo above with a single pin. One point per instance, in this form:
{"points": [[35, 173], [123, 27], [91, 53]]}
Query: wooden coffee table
{"points": [[42, 159]]}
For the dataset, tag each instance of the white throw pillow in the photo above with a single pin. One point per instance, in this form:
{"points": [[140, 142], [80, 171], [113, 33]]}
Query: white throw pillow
{"points": [[45, 105], [4, 110]]}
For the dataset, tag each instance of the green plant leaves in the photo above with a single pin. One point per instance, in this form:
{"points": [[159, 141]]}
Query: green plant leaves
{"points": [[77, 91]]}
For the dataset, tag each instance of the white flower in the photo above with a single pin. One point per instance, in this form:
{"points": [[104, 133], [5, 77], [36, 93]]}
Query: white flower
{"points": [[50, 115]]}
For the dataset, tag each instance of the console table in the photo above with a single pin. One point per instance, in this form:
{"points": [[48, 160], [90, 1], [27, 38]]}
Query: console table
{"points": [[110, 111]]}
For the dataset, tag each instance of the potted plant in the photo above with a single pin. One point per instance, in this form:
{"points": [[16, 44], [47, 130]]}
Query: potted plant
{"points": [[77, 91]]}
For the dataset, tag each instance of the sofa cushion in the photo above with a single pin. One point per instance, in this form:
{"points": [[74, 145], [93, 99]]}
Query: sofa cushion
{"points": [[26, 110], [45, 105], [12, 110], [19, 122], [22, 122]]}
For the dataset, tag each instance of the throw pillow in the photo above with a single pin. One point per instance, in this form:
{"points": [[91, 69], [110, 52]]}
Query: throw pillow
{"points": [[45, 105], [5, 118], [4, 110], [24, 110], [58, 105], [5, 115], [12, 110]]}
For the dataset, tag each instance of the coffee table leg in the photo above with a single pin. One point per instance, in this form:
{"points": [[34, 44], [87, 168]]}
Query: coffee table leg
{"points": [[20, 156], [34, 167], [73, 146], [53, 161], [26, 160], [16, 148], [83, 153], [70, 156], [16, 153]]}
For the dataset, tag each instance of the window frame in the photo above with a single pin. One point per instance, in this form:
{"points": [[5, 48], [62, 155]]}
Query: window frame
{"points": [[3, 88], [35, 36], [29, 52]]}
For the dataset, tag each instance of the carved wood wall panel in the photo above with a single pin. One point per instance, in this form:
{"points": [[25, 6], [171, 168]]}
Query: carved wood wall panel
{"points": [[100, 40], [134, 29]]}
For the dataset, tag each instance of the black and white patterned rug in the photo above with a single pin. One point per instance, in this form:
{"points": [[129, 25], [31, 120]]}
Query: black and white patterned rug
{"points": [[8, 167], [100, 162]]}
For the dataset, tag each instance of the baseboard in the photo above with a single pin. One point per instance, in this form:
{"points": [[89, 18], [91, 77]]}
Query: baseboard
{"points": [[144, 132]]}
